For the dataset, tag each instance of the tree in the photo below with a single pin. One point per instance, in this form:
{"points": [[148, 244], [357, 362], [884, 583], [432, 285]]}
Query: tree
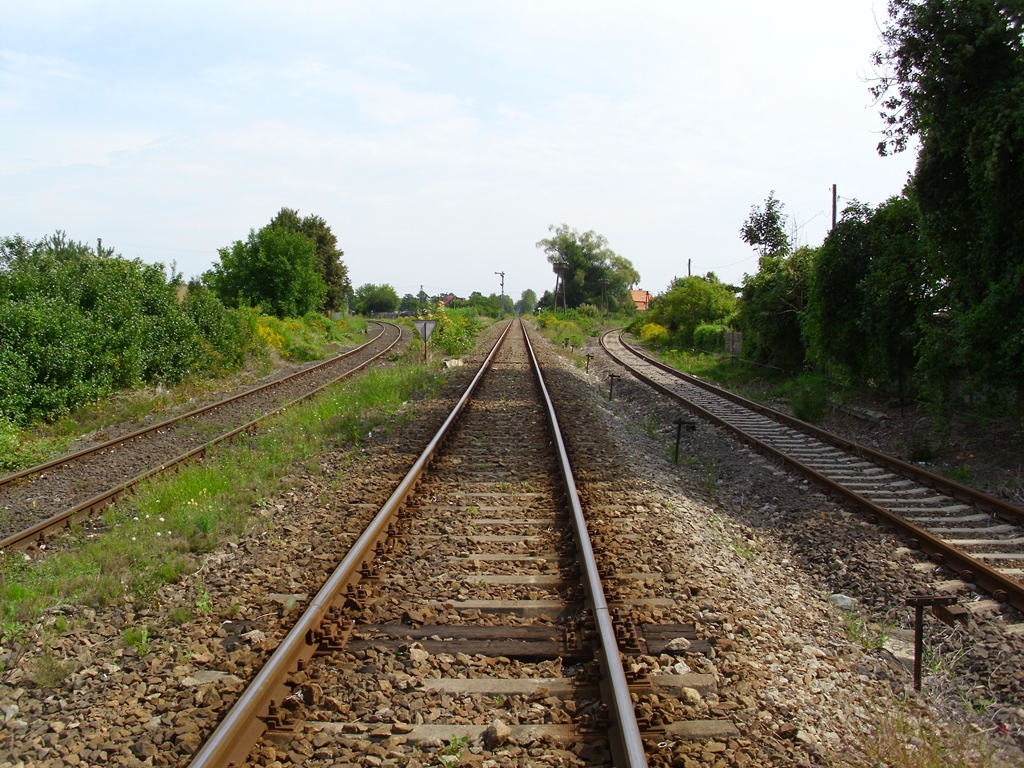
{"points": [[274, 268], [588, 271], [410, 304], [527, 303], [771, 309], [689, 302], [375, 298], [765, 231], [953, 76], [836, 301], [328, 255]]}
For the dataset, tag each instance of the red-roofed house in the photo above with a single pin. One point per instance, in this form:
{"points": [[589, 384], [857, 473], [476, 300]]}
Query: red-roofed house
{"points": [[641, 298]]}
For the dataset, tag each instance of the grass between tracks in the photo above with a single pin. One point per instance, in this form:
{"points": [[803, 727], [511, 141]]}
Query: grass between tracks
{"points": [[157, 534]]}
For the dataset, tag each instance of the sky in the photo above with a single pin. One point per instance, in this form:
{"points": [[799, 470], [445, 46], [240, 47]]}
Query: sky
{"points": [[440, 140]]}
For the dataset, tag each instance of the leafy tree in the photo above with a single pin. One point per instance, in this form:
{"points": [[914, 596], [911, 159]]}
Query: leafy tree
{"points": [[689, 302], [898, 292], [765, 231], [375, 298], [410, 304], [527, 303], [328, 254], [870, 293], [953, 76], [274, 268], [589, 272]]}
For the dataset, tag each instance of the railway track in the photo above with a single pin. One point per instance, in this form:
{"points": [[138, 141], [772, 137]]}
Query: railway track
{"points": [[40, 500], [469, 611], [979, 537]]}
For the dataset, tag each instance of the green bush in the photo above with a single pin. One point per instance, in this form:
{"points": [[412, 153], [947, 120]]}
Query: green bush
{"points": [[455, 332], [652, 333], [808, 397], [709, 337], [80, 325]]}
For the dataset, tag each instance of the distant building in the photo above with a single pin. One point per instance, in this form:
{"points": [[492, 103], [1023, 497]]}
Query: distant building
{"points": [[447, 300], [641, 298]]}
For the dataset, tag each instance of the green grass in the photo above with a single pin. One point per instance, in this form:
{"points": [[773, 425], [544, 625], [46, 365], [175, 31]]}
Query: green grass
{"points": [[159, 533], [752, 381]]}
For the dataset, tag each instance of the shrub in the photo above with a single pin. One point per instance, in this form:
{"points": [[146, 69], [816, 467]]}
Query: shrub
{"points": [[80, 325], [454, 332], [808, 397], [709, 337], [652, 333]]}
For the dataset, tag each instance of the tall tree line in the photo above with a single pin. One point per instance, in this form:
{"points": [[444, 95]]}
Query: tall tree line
{"points": [[927, 289]]}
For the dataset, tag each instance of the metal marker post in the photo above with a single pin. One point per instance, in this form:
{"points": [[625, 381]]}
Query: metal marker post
{"points": [[945, 608], [589, 358], [611, 383], [679, 433]]}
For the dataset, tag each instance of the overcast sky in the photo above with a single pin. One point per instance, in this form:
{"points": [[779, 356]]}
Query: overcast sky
{"points": [[439, 140]]}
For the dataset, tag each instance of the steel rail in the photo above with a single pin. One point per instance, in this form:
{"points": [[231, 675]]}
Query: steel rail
{"points": [[613, 679], [989, 504], [234, 737], [24, 538], [117, 441], [970, 569]]}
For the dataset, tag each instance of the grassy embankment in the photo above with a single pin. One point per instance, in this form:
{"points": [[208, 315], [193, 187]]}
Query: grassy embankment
{"points": [[161, 532]]}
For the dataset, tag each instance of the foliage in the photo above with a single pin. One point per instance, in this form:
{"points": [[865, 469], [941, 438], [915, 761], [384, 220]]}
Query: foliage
{"points": [[953, 76], [305, 338], [80, 324], [690, 302], [772, 306], [835, 299], [454, 332], [765, 231], [588, 270], [709, 337], [652, 333], [328, 254], [375, 298], [488, 306], [871, 294], [808, 397], [527, 303], [561, 330], [229, 335], [275, 269]]}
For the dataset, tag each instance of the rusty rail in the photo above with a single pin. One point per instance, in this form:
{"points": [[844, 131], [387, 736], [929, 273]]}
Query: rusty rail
{"points": [[99, 502], [259, 706], [232, 740], [614, 686], [970, 569]]}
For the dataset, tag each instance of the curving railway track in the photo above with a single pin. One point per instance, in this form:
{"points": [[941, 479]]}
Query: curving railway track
{"points": [[977, 536], [470, 610], [43, 499]]}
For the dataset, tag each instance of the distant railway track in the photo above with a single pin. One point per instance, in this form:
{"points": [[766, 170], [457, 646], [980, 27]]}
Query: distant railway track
{"points": [[40, 500], [979, 537], [472, 595]]}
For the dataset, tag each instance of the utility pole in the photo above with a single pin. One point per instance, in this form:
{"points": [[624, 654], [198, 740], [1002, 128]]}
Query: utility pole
{"points": [[834, 199], [689, 263], [502, 293]]}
